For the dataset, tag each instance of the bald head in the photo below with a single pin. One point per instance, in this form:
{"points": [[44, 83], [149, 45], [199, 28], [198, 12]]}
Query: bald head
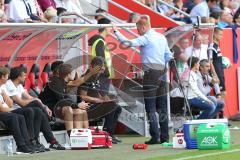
{"points": [[144, 24]]}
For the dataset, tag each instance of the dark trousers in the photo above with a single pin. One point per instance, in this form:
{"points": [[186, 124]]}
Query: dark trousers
{"points": [[16, 124], [41, 122], [111, 120], [206, 108], [155, 98], [108, 110]]}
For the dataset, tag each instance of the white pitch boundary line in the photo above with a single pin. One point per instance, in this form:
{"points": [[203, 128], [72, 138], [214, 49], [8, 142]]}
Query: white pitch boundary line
{"points": [[210, 154]]}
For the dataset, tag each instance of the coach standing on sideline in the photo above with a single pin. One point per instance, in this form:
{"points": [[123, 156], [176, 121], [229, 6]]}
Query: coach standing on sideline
{"points": [[155, 53]]}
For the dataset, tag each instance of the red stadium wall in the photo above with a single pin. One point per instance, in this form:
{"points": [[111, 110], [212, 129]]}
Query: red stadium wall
{"points": [[231, 79], [157, 20]]}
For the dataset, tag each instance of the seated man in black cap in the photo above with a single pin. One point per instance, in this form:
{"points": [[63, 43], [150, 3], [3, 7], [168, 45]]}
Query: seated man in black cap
{"points": [[101, 106]]}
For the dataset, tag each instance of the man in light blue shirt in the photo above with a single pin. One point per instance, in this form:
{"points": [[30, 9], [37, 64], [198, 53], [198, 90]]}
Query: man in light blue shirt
{"points": [[155, 54]]}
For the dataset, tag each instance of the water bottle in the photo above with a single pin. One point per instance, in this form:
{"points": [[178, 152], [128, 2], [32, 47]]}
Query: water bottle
{"points": [[9, 148], [140, 146]]}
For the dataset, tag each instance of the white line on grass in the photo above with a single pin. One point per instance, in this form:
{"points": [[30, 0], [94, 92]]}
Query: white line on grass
{"points": [[209, 154]]}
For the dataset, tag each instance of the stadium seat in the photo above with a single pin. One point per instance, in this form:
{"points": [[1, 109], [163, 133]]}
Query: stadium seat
{"points": [[35, 83], [46, 73]]}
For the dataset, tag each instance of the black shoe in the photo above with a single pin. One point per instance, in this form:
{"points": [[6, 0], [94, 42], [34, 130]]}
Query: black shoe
{"points": [[57, 146], [114, 141], [35, 145], [114, 138], [24, 150], [153, 141]]}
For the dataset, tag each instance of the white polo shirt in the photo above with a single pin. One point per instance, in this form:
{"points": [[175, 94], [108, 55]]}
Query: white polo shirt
{"points": [[12, 90], [200, 53], [1, 97]]}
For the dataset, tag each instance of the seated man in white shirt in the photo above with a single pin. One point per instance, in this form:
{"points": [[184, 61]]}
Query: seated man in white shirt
{"points": [[206, 83], [15, 123], [22, 99]]}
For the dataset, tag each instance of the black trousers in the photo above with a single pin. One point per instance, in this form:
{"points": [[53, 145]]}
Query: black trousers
{"points": [[16, 124], [29, 116], [41, 122], [108, 110]]}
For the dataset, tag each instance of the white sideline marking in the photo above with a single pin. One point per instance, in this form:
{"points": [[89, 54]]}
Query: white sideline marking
{"points": [[209, 154]]}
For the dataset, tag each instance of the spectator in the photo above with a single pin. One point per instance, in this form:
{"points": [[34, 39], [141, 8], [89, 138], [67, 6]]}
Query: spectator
{"points": [[198, 49], [2, 5], [236, 18], [45, 4], [49, 14], [100, 11], [204, 19], [205, 39], [224, 5], [17, 11], [202, 9], [24, 11], [195, 97], [214, 17], [62, 11], [188, 5], [133, 17], [70, 6], [184, 43], [3, 17], [226, 20]]}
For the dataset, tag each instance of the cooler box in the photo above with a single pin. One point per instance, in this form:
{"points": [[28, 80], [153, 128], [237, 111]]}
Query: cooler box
{"points": [[101, 139], [81, 139], [213, 136], [190, 130]]}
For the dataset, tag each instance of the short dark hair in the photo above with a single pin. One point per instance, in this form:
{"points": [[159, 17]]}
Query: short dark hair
{"points": [[64, 70], [55, 65], [212, 1], [4, 71], [16, 72], [203, 62], [236, 15], [97, 61], [103, 21], [60, 10], [215, 15], [192, 61], [100, 10]]}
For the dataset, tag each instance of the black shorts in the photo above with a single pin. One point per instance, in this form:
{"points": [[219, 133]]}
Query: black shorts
{"points": [[57, 109], [100, 110]]}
